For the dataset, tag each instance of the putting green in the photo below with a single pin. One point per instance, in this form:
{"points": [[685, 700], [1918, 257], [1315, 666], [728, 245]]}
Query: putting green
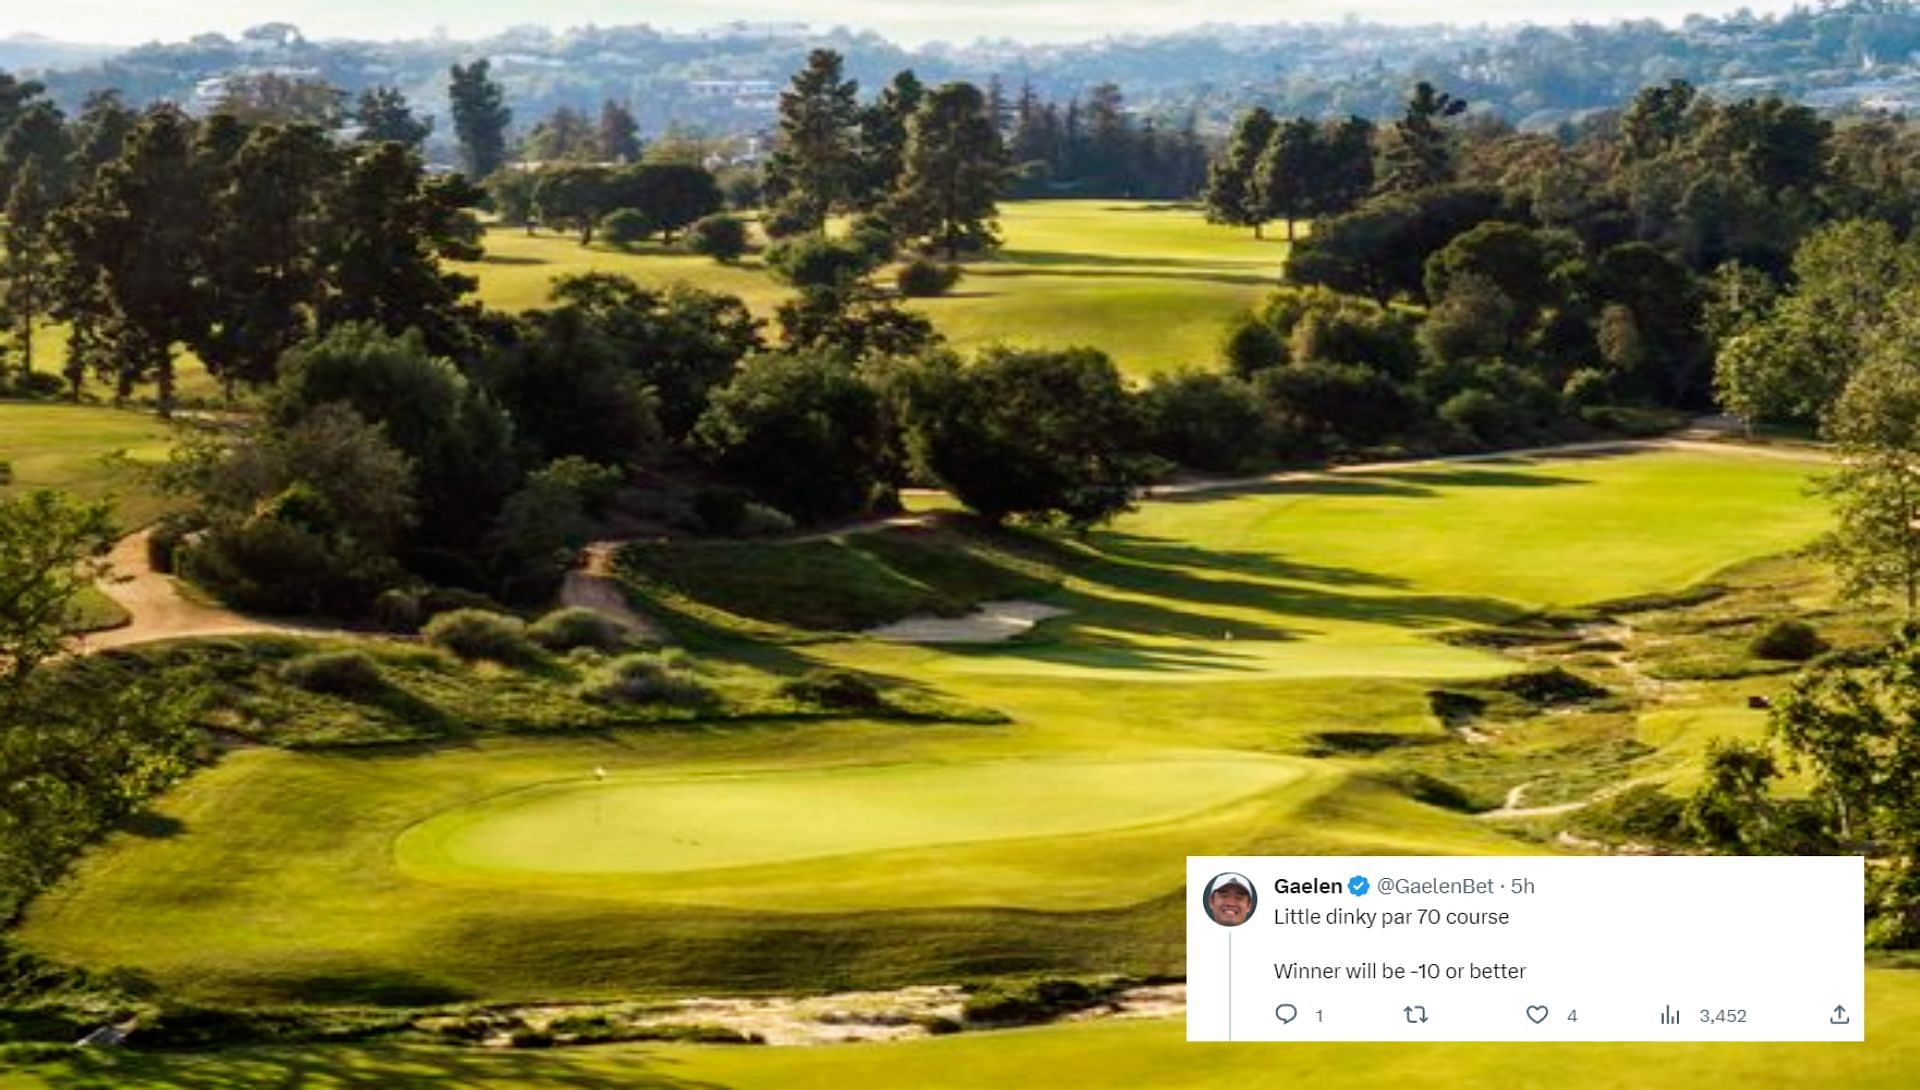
{"points": [[650, 825]]}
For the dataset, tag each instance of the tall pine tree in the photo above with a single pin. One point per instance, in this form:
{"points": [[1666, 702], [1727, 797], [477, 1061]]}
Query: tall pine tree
{"points": [[1419, 152], [883, 138], [263, 272], [480, 118], [141, 224], [1233, 195], [956, 169], [815, 167], [383, 114], [619, 133]]}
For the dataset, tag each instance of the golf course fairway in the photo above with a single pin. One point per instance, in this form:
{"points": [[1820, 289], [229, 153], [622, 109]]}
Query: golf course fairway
{"points": [[1237, 672]]}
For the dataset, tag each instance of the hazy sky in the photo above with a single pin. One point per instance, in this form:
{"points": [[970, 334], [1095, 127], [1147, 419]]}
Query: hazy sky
{"points": [[913, 21]]}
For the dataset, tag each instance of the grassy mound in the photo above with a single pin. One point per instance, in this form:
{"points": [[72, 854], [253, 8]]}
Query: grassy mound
{"points": [[840, 585]]}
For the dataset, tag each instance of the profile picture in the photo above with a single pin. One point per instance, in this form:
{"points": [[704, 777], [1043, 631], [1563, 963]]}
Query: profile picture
{"points": [[1229, 899]]}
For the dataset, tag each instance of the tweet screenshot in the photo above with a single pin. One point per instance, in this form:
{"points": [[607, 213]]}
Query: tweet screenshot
{"points": [[1382, 948]]}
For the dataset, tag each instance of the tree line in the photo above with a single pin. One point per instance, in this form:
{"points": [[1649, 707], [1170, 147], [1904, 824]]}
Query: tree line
{"points": [[149, 232]]}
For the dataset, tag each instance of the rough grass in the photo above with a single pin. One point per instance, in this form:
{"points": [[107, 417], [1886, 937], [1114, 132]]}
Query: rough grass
{"points": [[1152, 285], [844, 584], [1149, 1053]]}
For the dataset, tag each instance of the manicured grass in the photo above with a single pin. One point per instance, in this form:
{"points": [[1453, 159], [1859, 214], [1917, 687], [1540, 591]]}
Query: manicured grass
{"points": [[1151, 285], [95, 453], [1150, 1053], [1348, 576], [519, 270], [644, 824], [811, 855]]}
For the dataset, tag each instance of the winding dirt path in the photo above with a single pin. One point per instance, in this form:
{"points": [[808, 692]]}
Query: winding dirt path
{"points": [[593, 586], [159, 611]]}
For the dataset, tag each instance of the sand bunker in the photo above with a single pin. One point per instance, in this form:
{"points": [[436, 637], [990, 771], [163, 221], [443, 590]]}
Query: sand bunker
{"points": [[992, 622]]}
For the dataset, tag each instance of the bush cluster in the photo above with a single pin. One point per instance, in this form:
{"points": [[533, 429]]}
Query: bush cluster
{"points": [[721, 237], [476, 634], [841, 690], [661, 677], [1789, 640], [335, 673], [576, 627], [924, 278]]}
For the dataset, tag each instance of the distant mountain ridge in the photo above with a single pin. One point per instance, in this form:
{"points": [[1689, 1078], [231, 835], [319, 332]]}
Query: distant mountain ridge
{"points": [[32, 51], [1860, 54]]}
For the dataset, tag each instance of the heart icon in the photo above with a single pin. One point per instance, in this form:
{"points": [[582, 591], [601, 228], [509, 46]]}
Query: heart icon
{"points": [[1286, 1012], [1538, 1014]]}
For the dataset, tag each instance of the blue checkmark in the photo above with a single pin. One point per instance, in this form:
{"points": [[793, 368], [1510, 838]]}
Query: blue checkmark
{"points": [[1358, 885]]}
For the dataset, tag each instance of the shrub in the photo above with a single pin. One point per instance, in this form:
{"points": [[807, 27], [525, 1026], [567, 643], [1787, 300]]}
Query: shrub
{"points": [[842, 690], [1480, 416], [1789, 641], [625, 226], [814, 261], [874, 235], [334, 673], [1251, 346], [1040, 1002], [924, 278], [399, 610], [1335, 404], [266, 565], [1586, 387], [479, 634], [723, 238], [453, 599], [662, 677], [1502, 405], [567, 629], [1552, 686], [1204, 420], [163, 544], [760, 520], [34, 386], [785, 222], [1633, 421], [721, 510]]}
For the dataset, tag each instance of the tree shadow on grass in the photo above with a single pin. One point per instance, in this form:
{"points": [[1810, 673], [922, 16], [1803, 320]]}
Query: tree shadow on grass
{"points": [[1354, 485], [1175, 573], [1147, 271], [348, 985], [513, 259], [1045, 258], [1154, 589], [153, 825], [1476, 476], [1164, 553], [380, 1067]]}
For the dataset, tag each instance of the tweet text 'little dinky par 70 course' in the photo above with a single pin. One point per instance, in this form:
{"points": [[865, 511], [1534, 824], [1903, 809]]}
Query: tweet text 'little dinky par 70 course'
{"points": [[1386, 948]]}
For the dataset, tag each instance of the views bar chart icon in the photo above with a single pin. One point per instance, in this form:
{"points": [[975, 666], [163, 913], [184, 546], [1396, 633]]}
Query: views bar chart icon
{"points": [[1670, 1016]]}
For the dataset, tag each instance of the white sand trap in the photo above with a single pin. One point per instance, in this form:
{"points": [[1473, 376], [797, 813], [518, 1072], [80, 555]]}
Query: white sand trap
{"points": [[992, 622]]}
